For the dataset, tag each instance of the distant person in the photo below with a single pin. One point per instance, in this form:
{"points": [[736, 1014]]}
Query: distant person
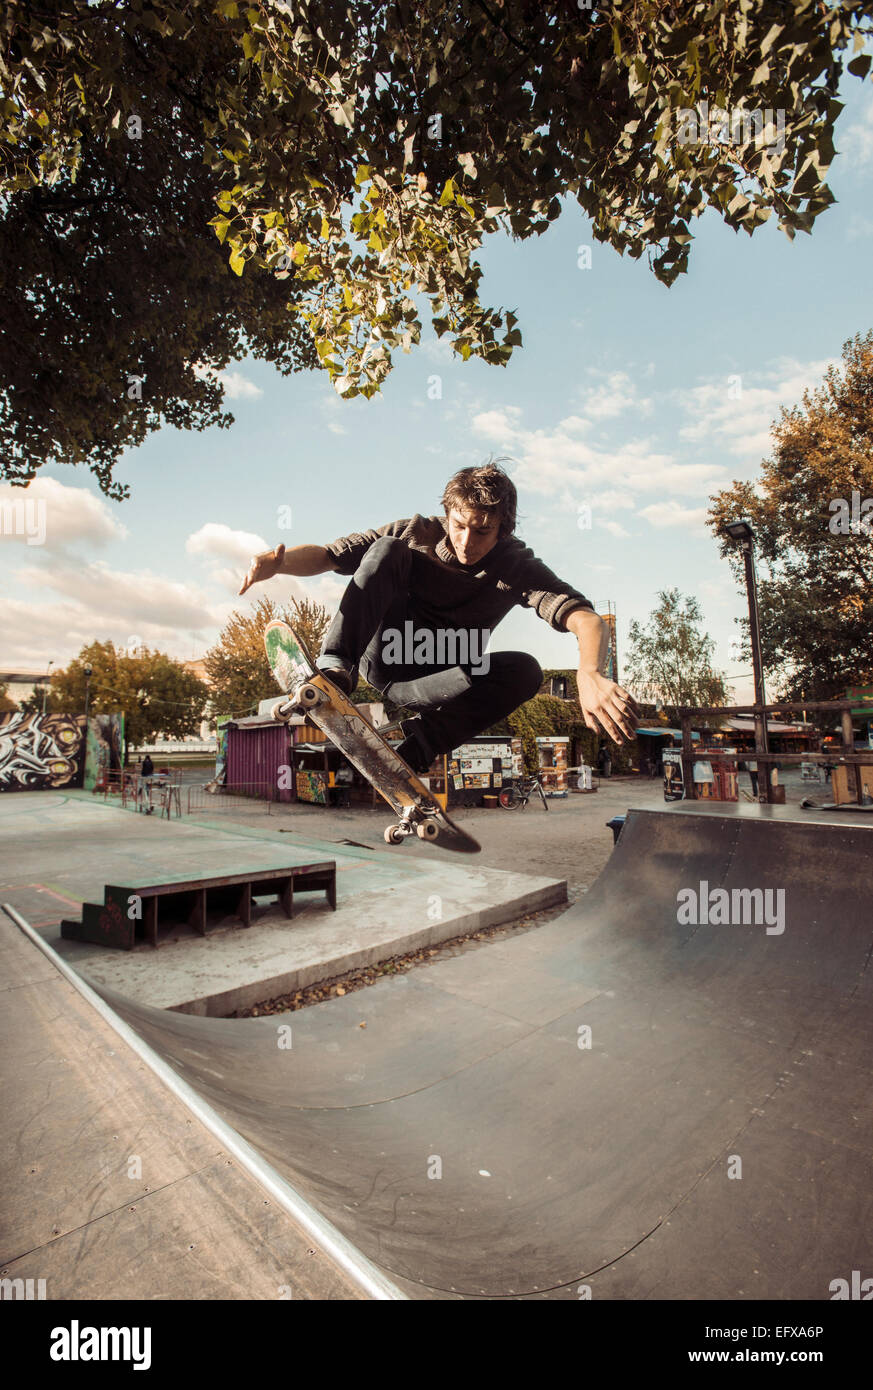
{"points": [[146, 772], [604, 761]]}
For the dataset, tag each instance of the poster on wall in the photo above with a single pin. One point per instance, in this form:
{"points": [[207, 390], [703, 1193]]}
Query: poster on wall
{"points": [[312, 786], [674, 787], [39, 752], [219, 777]]}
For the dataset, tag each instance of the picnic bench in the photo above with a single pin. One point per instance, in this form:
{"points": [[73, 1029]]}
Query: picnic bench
{"points": [[137, 910]]}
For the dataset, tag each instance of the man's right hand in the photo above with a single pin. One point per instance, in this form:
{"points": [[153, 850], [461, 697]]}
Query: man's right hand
{"points": [[263, 567]]}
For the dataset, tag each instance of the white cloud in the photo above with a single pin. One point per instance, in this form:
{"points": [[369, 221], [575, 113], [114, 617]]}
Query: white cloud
{"points": [[672, 513], [737, 412], [51, 515], [498, 425], [31, 634], [616, 394], [138, 597], [228, 554], [236, 386], [218, 541], [574, 471], [857, 140]]}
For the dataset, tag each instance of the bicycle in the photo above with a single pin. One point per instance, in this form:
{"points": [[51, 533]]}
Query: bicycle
{"points": [[520, 794]]}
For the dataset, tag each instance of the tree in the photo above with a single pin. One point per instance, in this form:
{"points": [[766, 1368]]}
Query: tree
{"points": [[5, 702], [119, 304], [237, 666], [155, 694], [669, 661], [546, 715], [351, 158], [812, 513]]}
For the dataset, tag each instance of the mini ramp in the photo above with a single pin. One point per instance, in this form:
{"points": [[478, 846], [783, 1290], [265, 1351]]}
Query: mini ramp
{"points": [[713, 1141]]}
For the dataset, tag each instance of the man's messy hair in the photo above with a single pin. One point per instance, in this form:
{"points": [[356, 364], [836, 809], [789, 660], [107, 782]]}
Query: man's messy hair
{"points": [[487, 488]]}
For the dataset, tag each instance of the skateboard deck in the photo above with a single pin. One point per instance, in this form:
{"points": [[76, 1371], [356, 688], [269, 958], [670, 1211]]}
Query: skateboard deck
{"points": [[308, 692]]}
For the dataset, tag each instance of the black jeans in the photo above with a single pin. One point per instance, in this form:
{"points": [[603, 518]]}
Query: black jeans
{"points": [[395, 606]]}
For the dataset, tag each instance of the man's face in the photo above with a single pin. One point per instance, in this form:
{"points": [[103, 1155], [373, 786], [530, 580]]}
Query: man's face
{"points": [[473, 532]]}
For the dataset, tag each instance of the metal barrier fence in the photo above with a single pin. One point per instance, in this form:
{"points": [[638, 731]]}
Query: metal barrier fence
{"points": [[212, 800]]}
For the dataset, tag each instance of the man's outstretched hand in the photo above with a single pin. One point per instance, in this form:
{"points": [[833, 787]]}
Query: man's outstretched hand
{"points": [[263, 567], [607, 707]]}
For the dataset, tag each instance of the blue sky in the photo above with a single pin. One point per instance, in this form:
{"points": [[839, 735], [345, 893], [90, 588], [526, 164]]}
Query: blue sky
{"points": [[624, 399]]}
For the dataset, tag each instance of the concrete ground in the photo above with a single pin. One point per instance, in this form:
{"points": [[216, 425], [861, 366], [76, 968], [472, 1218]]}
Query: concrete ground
{"points": [[394, 903], [570, 841], [113, 1188], [61, 849]]}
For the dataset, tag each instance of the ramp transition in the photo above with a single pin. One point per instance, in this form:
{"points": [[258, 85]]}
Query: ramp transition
{"points": [[713, 1141]]}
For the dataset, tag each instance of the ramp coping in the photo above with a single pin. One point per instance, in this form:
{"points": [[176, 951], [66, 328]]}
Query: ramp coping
{"points": [[369, 1278]]}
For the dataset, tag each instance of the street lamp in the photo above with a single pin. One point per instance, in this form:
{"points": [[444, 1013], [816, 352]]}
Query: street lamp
{"points": [[741, 532], [45, 684], [88, 670]]}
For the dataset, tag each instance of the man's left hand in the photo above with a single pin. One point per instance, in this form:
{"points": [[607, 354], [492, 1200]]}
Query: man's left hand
{"points": [[607, 707]]}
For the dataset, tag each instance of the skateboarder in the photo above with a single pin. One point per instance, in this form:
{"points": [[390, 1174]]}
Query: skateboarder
{"points": [[425, 595]]}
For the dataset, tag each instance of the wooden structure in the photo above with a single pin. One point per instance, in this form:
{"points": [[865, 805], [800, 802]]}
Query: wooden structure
{"points": [[766, 758], [192, 903]]}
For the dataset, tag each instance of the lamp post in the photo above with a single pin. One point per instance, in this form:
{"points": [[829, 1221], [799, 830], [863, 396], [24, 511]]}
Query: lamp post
{"points": [[88, 670], [45, 684], [741, 532]]}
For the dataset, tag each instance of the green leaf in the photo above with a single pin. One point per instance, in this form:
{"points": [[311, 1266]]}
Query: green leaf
{"points": [[221, 225], [448, 194], [237, 262]]}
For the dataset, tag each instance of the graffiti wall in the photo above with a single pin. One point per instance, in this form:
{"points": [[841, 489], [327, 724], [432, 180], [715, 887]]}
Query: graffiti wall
{"points": [[105, 749], [41, 751]]}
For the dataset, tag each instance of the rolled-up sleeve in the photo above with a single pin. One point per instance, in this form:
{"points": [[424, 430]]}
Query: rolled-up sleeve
{"points": [[551, 598], [348, 551]]}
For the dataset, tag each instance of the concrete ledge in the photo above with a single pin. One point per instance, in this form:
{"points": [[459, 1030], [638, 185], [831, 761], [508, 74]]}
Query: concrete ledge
{"points": [[389, 902], [232, 969]]}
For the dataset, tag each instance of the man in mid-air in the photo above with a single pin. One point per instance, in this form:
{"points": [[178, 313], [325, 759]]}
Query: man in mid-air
{"points": [[425, 595]]}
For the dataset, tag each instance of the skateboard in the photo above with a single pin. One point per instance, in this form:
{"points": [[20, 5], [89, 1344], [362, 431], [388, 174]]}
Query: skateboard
{"points": [[309, 692]]}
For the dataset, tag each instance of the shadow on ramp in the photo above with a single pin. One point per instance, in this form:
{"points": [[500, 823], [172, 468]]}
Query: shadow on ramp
{"points": [[618, 1100]]}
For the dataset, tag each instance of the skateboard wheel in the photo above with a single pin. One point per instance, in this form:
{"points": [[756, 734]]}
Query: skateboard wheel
{"points": [[310, 695], [427, 830], [280, 711], [394, 834]]}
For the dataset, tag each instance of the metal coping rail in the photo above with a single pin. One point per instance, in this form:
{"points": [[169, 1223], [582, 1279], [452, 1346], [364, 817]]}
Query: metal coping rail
{"points": [[367, 1276]]}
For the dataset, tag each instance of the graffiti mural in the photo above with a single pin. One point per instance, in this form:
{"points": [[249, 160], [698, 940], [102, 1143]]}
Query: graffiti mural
{"points": [[312, 786], [40, 751], [105, 750]]}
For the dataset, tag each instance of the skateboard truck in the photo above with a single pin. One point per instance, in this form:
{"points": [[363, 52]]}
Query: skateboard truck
{"points": [[305, 697], [413, 822]]}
